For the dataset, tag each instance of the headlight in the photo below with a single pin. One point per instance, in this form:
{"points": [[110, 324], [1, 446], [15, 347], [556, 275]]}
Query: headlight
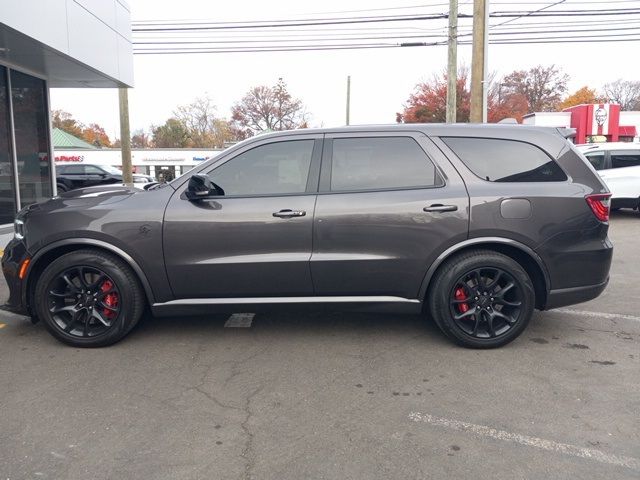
{"points": [[18, 229]]}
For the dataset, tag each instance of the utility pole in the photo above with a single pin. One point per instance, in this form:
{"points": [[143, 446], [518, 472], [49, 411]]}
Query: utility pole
{"points": [[348, 98], [452, 62], [125, 137], [478, 63]]}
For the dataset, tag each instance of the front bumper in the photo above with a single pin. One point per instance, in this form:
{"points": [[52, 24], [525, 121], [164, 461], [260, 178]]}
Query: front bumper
{"points": [[14, 255]]}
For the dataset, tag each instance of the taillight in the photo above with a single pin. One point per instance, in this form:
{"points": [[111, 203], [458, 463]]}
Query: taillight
{"points": [[599, 204]]}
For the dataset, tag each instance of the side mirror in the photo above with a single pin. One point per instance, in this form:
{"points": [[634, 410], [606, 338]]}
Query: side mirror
{"points": [[201, 186]]}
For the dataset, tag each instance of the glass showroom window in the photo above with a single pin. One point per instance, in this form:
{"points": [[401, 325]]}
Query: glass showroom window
{"points": [[31, 125], [7, 186]]}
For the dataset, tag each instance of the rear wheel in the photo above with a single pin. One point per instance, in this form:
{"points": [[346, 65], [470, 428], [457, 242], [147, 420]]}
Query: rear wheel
{"points": [[89, 298], [481, 299], [62, 188]]}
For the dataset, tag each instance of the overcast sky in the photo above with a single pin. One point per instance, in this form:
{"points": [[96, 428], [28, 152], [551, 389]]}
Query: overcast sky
{"points": [[382, 79]]}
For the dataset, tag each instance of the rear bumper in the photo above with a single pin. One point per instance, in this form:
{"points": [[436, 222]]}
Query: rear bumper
{"points": [[570, 296]]}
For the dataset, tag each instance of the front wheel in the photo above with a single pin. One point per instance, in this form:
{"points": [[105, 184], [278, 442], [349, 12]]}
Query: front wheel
{"points": [[88, 298], [481, 299]]}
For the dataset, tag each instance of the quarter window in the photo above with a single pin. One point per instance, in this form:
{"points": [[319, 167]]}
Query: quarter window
{"points": [[372, 163], [498, 160], [625, 159], [271, 169]]}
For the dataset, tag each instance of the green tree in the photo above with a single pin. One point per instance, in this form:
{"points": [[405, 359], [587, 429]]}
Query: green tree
{"points": [[173, 134]]}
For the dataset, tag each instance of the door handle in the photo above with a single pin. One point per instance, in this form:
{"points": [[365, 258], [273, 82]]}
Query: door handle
{"points": [[439, 208], [287, 213]]}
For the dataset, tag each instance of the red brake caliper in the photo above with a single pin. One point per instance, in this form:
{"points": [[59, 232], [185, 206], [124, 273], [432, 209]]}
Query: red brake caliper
{"points": [[461, 295], [110, 300]]}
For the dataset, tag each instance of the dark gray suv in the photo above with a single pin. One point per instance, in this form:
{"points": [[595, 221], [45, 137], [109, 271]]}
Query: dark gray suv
{"points": [[474, 225]]}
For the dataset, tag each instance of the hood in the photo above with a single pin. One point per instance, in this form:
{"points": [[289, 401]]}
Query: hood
{"points": [[100, 191]]}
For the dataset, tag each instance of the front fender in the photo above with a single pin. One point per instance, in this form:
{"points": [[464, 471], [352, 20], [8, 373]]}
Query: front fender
{"points": [[82, 243]]}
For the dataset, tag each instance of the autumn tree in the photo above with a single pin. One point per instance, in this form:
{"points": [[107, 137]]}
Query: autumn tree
{"points": [[140, 139], [543, 87], [173, 134], [584, 95], [204, 128], [267, 108], [626, 93], [65, 121], [428, 102], [92, 133], [95, 135], [503, 105]]}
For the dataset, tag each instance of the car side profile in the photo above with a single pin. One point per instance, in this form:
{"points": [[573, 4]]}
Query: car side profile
{"points": [[80, 175], [618, 164], [474, 226]]}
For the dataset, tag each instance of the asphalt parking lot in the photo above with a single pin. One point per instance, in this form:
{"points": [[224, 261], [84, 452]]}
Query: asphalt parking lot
{"points": [[332, 396]]}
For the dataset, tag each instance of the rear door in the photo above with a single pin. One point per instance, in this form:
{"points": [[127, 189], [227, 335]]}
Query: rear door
{"points": [[255, 240], [389, 204]]}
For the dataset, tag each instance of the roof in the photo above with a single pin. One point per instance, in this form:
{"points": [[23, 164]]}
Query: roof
{"points": [[65, 140], [609, 146]]}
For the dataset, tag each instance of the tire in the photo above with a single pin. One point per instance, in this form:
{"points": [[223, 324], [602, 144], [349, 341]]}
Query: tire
{"points": [[466, 277], [112, 295], [62, 188]]}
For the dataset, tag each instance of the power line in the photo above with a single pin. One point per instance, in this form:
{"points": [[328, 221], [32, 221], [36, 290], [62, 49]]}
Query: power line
{"points": [[528, 14], [205, 26]]}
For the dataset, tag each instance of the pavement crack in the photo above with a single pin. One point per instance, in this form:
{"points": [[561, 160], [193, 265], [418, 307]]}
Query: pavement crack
{"points": [[247, 452]]}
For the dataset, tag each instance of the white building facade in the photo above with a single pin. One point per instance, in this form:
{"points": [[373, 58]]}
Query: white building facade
{"points": [[149, 161]]}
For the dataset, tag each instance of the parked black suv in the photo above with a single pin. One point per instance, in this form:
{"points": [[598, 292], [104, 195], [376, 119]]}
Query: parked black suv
{"points": [[79, 175], [474, 225]]}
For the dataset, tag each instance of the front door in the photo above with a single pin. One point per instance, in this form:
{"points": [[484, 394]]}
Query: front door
{"points": [[255, 240], [384, 212]]}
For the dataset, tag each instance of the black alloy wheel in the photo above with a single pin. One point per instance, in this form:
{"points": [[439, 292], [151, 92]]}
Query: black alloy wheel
{"points": [[481, 299], [485, 302], [88, 298], [84, 301]]}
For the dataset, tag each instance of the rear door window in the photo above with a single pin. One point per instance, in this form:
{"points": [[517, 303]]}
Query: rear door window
{"points": [[596, 159], [501, 160], [375, 163], [621, 159], [74, 170]]}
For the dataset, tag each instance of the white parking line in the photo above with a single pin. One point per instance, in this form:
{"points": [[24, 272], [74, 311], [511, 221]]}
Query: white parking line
{"points": [[573, 450], [585, 313], [240, 320]]}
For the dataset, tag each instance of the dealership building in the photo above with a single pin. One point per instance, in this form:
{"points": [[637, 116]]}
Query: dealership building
{"points": [[161, 163], [44, 44], [594, 123]]}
